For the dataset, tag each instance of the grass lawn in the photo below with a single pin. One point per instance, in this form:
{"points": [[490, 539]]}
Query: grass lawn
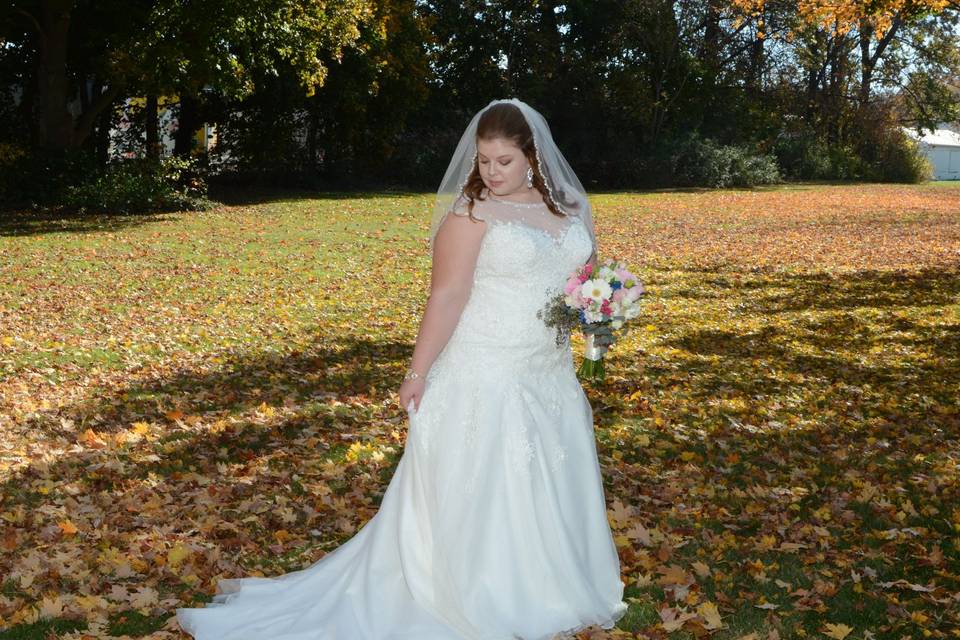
{"points": [[199, 395]]}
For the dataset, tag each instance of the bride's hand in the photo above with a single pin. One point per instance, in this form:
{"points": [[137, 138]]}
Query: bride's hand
{"points": [[411, 390]]}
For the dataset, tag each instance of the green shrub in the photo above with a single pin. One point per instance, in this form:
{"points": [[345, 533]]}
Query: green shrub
{"points": [[885, 153], [899, 159], [702, 162], [803, 156], [141, 185], [35, 179]]}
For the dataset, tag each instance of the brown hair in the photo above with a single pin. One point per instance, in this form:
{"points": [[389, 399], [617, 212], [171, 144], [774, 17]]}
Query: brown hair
{"points": [[505, 120]]}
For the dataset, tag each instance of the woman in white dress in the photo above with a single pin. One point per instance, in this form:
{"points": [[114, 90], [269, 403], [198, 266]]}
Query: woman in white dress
{"points": [[494, 525]]}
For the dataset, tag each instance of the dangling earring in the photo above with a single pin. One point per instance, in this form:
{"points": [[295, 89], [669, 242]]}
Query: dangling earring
{"points": [[529, 177]]}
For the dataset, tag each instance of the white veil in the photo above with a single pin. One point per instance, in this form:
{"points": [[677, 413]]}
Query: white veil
{"points": [[565, 190]]}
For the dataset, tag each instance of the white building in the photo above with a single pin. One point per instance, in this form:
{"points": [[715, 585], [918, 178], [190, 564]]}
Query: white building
{"points": [[942, 147]]}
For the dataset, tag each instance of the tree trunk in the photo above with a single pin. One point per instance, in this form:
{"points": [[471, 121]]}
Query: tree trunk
{"points": [[54, 123], [868, 60], [102, 133], [152, 124], [313, 124], [756, 64], [188, 121]]}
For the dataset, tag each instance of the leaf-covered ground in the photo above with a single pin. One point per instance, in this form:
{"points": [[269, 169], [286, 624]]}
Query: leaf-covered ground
{"points": [[192, 396]]}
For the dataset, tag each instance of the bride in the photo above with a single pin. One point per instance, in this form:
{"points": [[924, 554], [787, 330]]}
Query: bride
{"points": [[494, 525]]}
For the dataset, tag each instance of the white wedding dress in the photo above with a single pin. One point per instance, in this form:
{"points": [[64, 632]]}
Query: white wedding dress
{"points": [[494, 524]]}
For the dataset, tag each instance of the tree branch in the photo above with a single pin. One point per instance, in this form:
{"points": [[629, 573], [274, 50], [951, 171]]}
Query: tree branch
{"points": [[36, 24]]}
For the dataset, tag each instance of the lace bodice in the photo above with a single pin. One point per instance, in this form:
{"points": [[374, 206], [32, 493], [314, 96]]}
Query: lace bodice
{"points": [[525, 256]]}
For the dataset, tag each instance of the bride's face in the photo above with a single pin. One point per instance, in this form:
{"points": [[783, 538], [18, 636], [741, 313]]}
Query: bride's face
{"points": [[502, 165]]}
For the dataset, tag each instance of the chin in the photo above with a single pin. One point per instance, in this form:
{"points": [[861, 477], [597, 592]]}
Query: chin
{"points": [[500, 189]]}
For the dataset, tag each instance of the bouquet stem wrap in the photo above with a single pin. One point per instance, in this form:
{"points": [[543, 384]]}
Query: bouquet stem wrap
{"points": [[593, 351], [592, 368]]}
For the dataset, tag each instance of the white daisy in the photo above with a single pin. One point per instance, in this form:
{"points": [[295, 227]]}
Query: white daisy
{"points": [[595, 289]]}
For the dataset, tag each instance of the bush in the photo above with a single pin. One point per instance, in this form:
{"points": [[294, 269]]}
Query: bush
{"points": [[803, 156], [702, 162], [806, 156], [35, 180], [141, 185], [885, 153], [899, 159]]}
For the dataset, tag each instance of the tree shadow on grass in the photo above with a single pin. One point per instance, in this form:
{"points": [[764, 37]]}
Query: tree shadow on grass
{"points": [[36, 224], [22, 223], [325, 398], [849, 314], [872, 289], [244, 196], [232, 489]]}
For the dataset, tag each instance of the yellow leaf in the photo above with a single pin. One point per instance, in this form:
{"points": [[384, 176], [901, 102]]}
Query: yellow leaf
{"points": [[838, 631], [177, 554], [92, 439], [67, 527], [766, 542], [51, 607], [711, 615], [674, 574]]}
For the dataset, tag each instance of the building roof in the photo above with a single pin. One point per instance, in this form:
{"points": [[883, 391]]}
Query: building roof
{"points": [[939, 137]]}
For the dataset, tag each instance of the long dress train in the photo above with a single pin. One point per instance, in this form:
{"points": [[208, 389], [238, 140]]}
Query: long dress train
{"points": [[494, 524]]}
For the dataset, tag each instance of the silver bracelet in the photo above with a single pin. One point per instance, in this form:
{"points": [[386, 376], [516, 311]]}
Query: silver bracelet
{"points": [[411, 375]]}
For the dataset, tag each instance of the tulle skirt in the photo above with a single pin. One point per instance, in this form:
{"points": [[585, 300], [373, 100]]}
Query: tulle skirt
{"points": [[493, 526]]}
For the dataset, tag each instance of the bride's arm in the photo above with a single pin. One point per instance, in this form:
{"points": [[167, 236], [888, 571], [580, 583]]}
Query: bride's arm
{"points": [[455, 250]]}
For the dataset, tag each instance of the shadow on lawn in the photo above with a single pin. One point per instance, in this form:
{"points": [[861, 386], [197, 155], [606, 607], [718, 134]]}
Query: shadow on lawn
{"points": [[20, 223], [359, 376], [342, 386], [245, 196], [35, 224], [848, 313]]}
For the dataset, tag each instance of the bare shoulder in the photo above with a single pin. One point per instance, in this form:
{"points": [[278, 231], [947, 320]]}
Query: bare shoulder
{"points": [[460, 233]]}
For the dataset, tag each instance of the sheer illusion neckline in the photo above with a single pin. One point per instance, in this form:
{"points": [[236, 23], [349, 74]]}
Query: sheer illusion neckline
{"points": [[490, 196], [557, 239]]}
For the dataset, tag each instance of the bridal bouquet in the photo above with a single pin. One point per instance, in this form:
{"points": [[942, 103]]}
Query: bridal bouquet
{"points": [[599, 303]]}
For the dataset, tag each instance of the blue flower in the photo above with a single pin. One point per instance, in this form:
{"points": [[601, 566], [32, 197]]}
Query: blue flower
{"points": [[583, 318], [616, 284]]}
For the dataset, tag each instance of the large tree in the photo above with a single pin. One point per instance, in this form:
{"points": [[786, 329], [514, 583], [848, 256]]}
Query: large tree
{"points": [[105, 50]]}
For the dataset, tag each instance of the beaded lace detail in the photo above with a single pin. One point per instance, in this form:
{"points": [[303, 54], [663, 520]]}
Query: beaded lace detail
{"points": [[504, 438], [494, 525], [516, 204], [537, 215]]}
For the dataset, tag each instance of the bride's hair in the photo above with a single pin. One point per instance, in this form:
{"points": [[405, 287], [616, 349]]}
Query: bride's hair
{"points": [[505, 120]]}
